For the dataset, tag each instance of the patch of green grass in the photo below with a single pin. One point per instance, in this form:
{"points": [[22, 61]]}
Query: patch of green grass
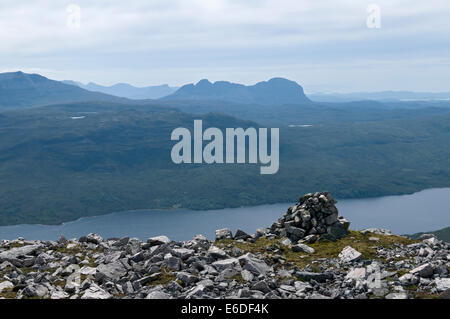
{"points": [[425, 295], [238, 279], [15, 245], [8, 294], [69, 251], [27, 270], [6, 271], [324, 249], [60, 283], [92, 262], [164, 278]]}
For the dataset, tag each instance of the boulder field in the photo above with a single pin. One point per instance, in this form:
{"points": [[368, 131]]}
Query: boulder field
{"points": [[309, 253]]}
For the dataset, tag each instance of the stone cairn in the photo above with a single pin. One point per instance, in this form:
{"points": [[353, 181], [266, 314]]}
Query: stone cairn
{"points": [[314, 217]]}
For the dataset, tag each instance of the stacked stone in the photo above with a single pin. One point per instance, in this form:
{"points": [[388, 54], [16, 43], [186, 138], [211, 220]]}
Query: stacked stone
{"points": [[314, 217]]}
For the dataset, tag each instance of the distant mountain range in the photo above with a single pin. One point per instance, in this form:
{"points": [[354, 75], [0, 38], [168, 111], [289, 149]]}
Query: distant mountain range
{"points": [[18, 89], [379, 96], [276, 91], [127, 91]]}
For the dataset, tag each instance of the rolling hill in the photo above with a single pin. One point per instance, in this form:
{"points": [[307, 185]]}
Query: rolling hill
{"points": [[62, 162], [442, 234], [18, 90]]}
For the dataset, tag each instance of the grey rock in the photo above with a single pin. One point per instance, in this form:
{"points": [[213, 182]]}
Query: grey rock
{"points": [[376, 231], [226, 263], [309, 239], [303, 248], [425, 271], [295, 232], [247, 275], [59, 295], [158, 240], [319, 277], [254, 265], [34, 290], [349, 254], [356, 274], [172, 262], [223, 233], [95, 292], [5, 285], [216, 253], [196, 292], [442, 284], [182, 253], [397, 295], [186, 278], [285, 242], [112, 271], [240, 234], [301, 286], [261, 286], [18, 252], [158, 294]]}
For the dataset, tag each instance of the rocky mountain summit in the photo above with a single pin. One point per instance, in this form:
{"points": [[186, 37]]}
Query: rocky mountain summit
{"points": [[309, 253], [276, 91]]}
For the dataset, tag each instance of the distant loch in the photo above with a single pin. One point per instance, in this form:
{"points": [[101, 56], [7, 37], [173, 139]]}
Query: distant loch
{"points": [[418, 212]]}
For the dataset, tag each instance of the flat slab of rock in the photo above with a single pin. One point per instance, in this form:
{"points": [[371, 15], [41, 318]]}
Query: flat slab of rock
{"points": [[317, 276], [303, 248], [397, 295], [349, 254], [254, 265], [376, 231], [158, 294], [442, 284], [15, 253], [356, 274], [95, 292], [226, 263], [158, 240], [424, 271], [113, 271], [216, 253]]}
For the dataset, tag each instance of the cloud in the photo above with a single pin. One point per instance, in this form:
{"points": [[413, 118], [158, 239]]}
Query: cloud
{"points": [[205, 35]]}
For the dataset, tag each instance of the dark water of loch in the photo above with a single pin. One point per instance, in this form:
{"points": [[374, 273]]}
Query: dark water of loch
{"points": [[423, 211]]}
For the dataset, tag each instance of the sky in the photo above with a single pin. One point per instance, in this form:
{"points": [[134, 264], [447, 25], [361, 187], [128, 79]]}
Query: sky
{"points": [[324, 45]]}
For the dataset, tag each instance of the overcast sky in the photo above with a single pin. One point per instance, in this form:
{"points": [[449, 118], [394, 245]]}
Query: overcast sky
{"points": [[324, 45]]}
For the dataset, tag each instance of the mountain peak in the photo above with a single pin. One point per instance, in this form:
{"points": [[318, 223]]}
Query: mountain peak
{"points": [[275, 91], [204, 82], [19, 89]]}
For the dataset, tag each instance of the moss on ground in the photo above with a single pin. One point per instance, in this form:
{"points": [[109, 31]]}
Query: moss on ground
{"points": [[8, 294], [164, 278], [323, 249], [16, 245], [238, 279]]}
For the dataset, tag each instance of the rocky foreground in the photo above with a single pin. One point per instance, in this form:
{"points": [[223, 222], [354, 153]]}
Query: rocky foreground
{"points": [[308, 253]]}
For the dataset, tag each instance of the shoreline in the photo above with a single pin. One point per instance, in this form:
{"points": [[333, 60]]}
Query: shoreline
{"points": [[206, 210]]}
